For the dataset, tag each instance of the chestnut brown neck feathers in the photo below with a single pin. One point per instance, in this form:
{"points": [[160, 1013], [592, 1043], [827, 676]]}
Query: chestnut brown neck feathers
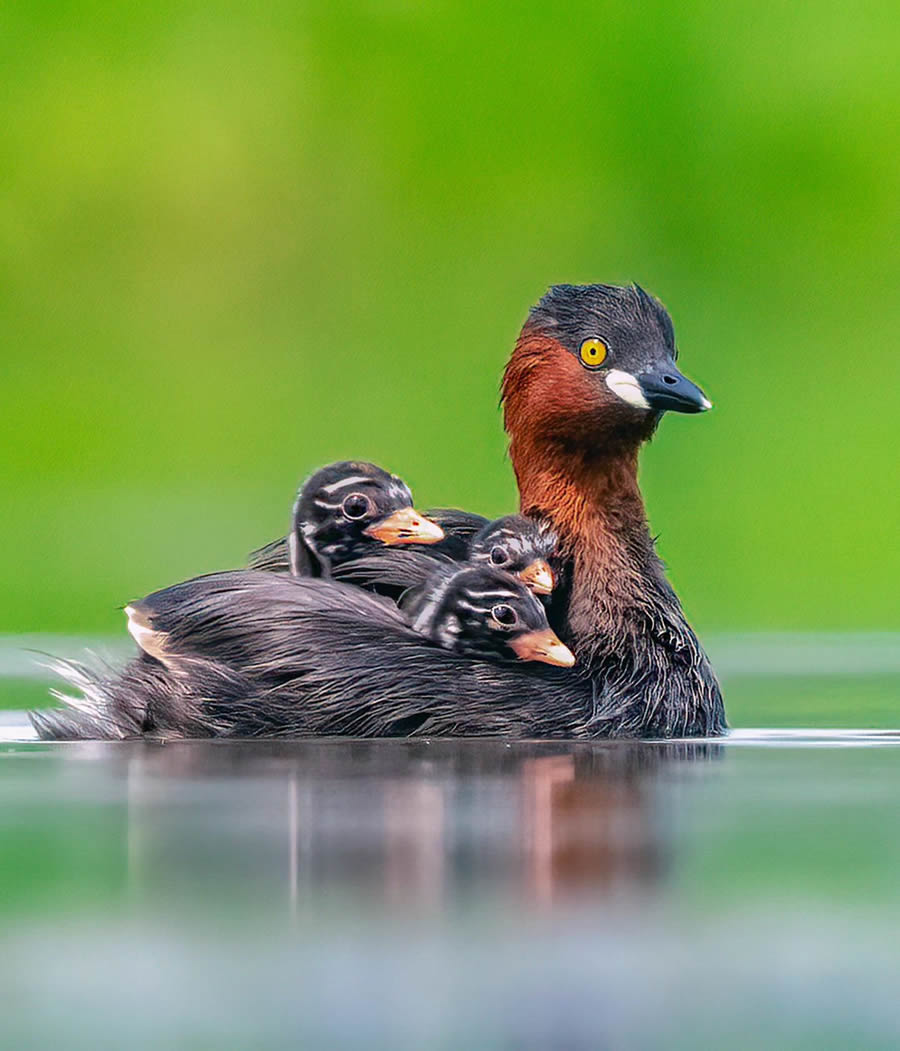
{"points": [[575, 455], [576, 465]]}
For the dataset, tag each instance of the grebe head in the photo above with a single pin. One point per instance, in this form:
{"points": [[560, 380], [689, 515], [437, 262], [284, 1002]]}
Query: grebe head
{"points": [[484, 613], [519, 545], [595, 366], [348, 509]]}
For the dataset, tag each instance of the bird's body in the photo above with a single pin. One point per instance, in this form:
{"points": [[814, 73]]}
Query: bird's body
{"points": [[252, 622], [587, 383]]}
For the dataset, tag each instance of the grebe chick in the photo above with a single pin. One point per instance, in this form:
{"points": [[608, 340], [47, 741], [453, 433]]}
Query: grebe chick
{"points": [[520, 545], [484, 613], [346, 510]]}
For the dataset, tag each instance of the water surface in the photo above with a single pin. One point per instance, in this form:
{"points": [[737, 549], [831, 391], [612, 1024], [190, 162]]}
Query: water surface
{"points": [[444, 894]]}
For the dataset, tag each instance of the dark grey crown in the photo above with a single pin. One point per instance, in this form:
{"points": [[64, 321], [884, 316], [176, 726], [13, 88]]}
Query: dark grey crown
{"points": [[635, 326]]}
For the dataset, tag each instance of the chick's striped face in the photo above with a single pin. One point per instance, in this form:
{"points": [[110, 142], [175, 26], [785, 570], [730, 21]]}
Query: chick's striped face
{"points": [[519, 545], [346, 510], [355, 501], [486, 614]]}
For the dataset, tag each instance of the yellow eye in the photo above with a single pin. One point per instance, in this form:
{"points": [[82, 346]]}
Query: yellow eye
{"points": [[593, 352]]}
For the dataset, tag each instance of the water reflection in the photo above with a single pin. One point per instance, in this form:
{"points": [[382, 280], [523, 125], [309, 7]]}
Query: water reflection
{"points": [[477, 894], [412, 825]]}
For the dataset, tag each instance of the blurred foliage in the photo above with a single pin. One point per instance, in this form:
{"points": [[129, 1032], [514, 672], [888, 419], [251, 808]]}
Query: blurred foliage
{"points": [[239, 242]]}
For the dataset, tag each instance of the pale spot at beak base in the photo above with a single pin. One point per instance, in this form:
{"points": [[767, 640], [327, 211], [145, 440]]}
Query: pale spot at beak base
{"points": [[626, 387]]}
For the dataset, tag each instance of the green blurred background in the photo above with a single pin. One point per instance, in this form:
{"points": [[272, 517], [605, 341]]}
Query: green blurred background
{"points": [[239, 242]]}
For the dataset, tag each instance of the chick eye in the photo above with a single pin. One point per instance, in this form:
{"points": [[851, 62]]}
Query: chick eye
{"points": [[499, 556], [356, 506], [505, 616], [593, 352]]}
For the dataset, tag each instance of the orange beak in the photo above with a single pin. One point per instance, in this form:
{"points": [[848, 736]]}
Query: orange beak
{"points": [[543, 646], [538, 577], [406, 526]]}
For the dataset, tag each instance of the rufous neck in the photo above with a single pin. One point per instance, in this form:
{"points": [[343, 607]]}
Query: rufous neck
{"points": [[604, 548], [587, 496]]}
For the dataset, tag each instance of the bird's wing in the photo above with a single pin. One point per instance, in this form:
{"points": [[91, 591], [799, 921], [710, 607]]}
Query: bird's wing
{"points": [[392, 570], [273, 557], [460, 523]]}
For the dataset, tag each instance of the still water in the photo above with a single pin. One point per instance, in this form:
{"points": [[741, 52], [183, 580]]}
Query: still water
{"points": [[480, 894]]}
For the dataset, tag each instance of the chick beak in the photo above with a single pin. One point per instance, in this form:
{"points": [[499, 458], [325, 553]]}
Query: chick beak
{"points": [[543, 646], [406, 526], [538, 577]]}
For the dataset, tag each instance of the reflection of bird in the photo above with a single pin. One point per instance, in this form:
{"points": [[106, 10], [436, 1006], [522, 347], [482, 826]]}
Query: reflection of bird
{"points": [[251, 621], [590, 828], [551, 822], [587, 383], [343, 511]]}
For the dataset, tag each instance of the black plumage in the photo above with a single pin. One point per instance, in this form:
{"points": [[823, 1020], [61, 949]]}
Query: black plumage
{"points": [[339, 668], [517, 544], [251, 621], [458, 527]]}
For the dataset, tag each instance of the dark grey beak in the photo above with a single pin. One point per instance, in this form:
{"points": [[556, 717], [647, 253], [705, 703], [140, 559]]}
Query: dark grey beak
{"points": [[667, 390]]}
